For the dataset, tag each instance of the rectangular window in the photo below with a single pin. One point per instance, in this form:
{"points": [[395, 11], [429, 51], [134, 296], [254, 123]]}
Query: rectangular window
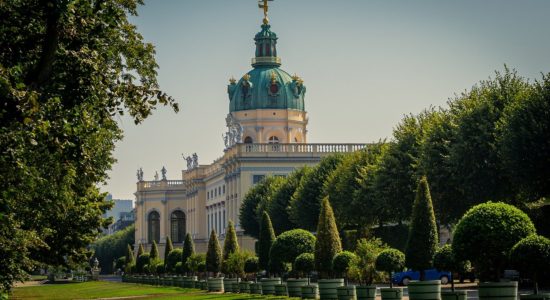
{"points": [[223, 189], [257, 178], [224, 221], [220, 225], [216, 222], [208, 223], [215, 193]]}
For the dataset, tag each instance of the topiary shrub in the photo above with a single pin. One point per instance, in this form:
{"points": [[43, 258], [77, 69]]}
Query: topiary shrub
{"points": [[236, 261], [486, 234], [531, 257], [267, 236], [172, 259], [141, 261], [168, 247], [252, 265], [154, 254], [179, 268], [328, 239], [214, 254], [230, 244], [188, 250], [305, 264], [366, 251], [342, 262], [444, 260], [423, 237], [194, 261], [159, 269], [389, 261], [120, 263], [289, 245]]}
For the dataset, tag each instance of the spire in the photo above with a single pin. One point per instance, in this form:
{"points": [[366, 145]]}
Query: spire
{"points": [[266, 42]]}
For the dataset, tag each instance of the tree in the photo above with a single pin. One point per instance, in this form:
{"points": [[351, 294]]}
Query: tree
{"points": [[444, 260], [328, 240], [280, 200], [524, 141], [66, 68], [390, 260], [110, 247], [168, 247], [230, 244], [305, 264], [531, 257], [188, 250], [154, 254], [267, 236], [195, 261], [250, 213], [235, 263], [140, 250], [485, 235], [423, 236], [306, 201], [142, 261], [290, 245], [214, 254], [172, 259], [129, 255], [342, 262], [252, 265], [366, 252]]}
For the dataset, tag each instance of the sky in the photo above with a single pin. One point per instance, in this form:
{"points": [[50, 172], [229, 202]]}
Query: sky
{"points": [[365, 64]]}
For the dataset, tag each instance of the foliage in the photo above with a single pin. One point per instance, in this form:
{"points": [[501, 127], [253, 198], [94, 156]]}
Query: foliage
{"points": [[188, 251], [328, 240], [485, 235], [236, 262], [525, 141], [531, 257], [257, 198], [142, 261], [168, 247], [366, 252], [214, 254], [141, 250], [252, 265], [342, 262], [289, 245], [110, 247], [267, 237], [159, 269], [66, 68], [172, 259], [306, 201], [230, 243], [280, 200], [423, 236], [444, 260], [154, 254], [178, 268], [130, 260], [120, 263], [195, 261], [304, 263], [395, 236], [390, 260]]}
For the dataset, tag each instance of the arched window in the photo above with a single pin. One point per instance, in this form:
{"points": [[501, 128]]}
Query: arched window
{"points": [[177, 226], [153, 222], [248, 140], [273, 140]]}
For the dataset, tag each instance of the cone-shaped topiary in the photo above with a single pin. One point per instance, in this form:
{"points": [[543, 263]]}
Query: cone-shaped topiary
{"points": [[168, 247], [140, 250], [188, 250], [267, 236], [230, 245], [531, 257], [154, 254], [214, 254], [423, 238], [390, 260], [129, 256], [328, 242]]}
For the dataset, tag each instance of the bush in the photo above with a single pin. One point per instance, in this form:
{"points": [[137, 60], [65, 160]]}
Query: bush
{"points": [[252, 265], [178, 268], [141, 261], [328, 240], [214, 254], [304, 263], [111, 247], [290, 244], [230, 244], [444, 260], [486, 234], [201, 267], [531, 257], [173, 258], [366, 252], [267, 236], [342, 262], [168, 247], [423, 237], [188, 250], [236, 261], [120, 263], [159, 269], [389, 261], [154, 251], [194, 261]]}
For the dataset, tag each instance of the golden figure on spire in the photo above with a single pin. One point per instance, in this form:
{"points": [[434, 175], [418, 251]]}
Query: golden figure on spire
{"points": [[263, 4]]}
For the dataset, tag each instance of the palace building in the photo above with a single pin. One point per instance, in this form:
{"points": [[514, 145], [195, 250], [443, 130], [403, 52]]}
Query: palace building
{"points": [[266, 136]]}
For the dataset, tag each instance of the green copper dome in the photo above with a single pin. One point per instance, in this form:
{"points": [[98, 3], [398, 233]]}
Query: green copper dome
{"points": [[266, 86]]}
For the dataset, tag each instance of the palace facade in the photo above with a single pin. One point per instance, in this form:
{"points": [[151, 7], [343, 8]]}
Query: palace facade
{"points": [[266, 136]]}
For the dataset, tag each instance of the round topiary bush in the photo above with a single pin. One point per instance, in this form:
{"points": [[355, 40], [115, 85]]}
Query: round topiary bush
{"points": [[485, 235], [141, 261], [304, 263], [252, 265], [390, 260], [290, 244], [173, 258], [531, 257], [342, 262]]}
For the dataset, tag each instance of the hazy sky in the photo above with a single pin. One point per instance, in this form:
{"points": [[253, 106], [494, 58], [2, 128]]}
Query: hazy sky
{"points": [[365, 64]]}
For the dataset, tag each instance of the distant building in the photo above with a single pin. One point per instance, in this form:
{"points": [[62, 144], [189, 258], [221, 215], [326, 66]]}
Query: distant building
{"points": [[122, 213]]}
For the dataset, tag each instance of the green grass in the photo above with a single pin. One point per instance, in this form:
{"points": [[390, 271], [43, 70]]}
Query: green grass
{"points": [[105, 290]]}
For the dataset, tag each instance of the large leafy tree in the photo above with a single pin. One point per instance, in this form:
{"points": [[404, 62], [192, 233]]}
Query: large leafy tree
{"points": [[66, 68], [280, 200], [256, 200], [305, 204]]}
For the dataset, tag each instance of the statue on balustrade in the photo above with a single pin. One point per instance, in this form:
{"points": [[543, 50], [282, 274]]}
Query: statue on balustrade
{"points": [[140, 174], [163, 172]]}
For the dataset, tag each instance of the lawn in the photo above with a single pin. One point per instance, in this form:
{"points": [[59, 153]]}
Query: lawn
{"points": [[106, 290]]}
